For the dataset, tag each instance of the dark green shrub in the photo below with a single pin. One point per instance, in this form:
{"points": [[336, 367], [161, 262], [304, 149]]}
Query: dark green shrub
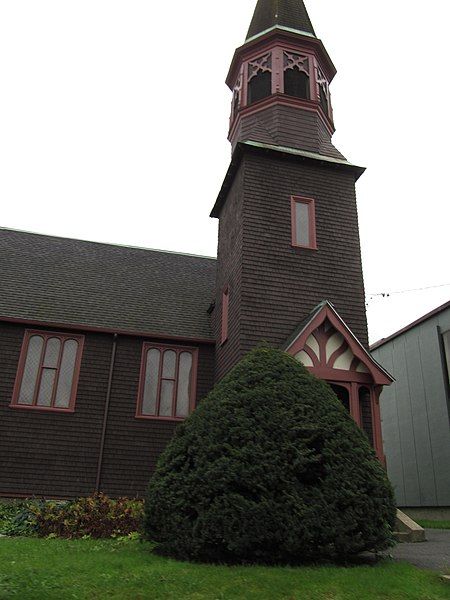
{"points": [[269, 468], [97, 516], [7, 512], [17, 517]]}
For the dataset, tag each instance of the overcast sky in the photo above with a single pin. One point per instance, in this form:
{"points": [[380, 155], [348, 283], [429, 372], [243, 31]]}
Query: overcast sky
{"points": [[114, 114]]}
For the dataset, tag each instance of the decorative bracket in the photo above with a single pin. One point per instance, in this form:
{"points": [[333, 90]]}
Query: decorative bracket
{"points": [[296, 61], [259, 65]]}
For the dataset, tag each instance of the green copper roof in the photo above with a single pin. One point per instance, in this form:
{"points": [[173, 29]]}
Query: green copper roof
{"points": [[285, 13]]}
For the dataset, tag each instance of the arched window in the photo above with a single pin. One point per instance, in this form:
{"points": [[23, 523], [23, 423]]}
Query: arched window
{"points": [[324, 100], [259, 79], [343, 395], [167, 382], [236, 102], [365, 409], [296, 75], [48, 371]]}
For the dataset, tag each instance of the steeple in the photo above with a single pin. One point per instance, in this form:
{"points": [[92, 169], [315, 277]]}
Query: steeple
{"points": [[288, 246], [280, 81], [283, 13]]}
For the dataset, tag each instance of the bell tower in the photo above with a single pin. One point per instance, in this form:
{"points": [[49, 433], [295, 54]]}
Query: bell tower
{"points": [[289, 262], [280, 82]]}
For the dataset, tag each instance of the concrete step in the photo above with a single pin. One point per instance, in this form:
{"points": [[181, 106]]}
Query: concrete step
{"points": [[401, 536], [408, 530]]}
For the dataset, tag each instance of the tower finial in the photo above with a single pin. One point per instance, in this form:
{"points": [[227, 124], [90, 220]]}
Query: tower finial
{"points": [[285, 13]]}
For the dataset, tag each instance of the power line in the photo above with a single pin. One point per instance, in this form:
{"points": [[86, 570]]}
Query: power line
{"points": [[421, 289]]}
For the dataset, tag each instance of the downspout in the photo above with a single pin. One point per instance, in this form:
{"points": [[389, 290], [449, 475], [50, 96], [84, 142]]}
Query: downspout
{"points": [[105, 415]]}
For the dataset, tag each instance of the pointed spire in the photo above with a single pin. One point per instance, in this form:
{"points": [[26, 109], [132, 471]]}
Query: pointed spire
{"points": [[286, 13]]}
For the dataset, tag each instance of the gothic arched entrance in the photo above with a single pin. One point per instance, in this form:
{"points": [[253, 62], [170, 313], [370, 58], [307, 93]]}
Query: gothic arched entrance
{"points": [[327, 347]]}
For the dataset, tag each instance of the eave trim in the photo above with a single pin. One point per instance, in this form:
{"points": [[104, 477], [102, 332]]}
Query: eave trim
{"points": [[301, 154], [326, 309], [93, 329], [282, 28], [305, 154]]}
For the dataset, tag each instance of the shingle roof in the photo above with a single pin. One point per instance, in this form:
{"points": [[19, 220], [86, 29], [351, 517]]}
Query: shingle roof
{"points": [[66, 281], [287, 13]]}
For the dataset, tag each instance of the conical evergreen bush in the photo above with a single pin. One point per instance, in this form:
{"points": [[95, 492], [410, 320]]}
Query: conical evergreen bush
{"points": [[270, 468]]}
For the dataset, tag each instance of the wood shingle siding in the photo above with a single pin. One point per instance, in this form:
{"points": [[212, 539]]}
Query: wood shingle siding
{"points": [[229, 273], [56, 455], [51, 453], [273, 284], [286, 283], [133, 446], [287, 126]]}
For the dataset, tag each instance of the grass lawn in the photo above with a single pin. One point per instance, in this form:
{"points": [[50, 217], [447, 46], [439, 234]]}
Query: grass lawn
{"points": [[36, 569], [434, 524]]}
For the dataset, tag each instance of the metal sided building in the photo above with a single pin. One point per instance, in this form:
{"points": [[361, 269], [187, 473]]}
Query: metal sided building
{"points": [[415, 410]]}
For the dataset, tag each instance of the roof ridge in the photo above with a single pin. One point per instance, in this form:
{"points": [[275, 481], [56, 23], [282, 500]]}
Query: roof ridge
{"points": [[127, 246]]}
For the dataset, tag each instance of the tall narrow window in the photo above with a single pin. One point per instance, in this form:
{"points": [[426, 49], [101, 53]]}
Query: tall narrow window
{"points": [[296, 75], [236, 103], [259, 78], [365, 410], [343, 395], [48, 371], [167, 382], [225, 306], [324, 100], [303, 222], [324, 93]]}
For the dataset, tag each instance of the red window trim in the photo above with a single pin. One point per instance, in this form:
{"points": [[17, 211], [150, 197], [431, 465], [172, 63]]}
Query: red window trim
{"points": [[312, 222], [63, 337], [225, 312], [193, 394]]}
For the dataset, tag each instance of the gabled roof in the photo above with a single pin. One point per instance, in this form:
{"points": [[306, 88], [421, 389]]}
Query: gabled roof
{"points": [[65, 281], [326, 311], [302, 326], [284, 13], [429, 315]]}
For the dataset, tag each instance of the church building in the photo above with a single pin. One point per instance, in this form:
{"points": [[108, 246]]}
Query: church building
{"points": [[104, 349]]}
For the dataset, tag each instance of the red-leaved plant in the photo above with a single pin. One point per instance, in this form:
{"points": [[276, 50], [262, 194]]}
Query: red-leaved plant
{"points": [[97, 516]]}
